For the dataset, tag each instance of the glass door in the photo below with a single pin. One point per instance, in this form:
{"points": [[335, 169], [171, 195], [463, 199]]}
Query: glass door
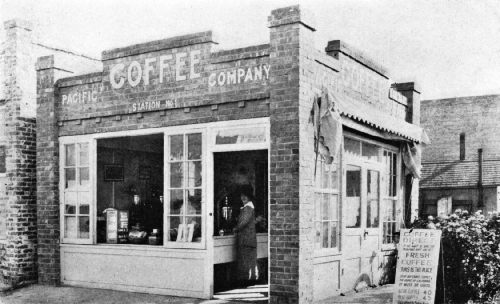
{"points": [[362, 221]]}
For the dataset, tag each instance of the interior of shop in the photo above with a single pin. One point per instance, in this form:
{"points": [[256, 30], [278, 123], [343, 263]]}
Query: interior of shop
{"points": [[232, 172], [130, 190]]}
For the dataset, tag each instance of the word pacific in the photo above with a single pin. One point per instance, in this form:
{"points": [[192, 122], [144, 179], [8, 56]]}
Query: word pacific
{"points": [[160, 66]]}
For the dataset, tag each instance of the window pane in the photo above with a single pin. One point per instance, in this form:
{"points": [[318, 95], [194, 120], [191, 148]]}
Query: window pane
{"points": [[176, 170], [334, 176], [334, 206], [83, 227], [194, 146], [372, 218], [175, 229], [333, 234], [325, 207], [394, 164], [194, 201], [84, 198], [84, 177], [194, 229], [241, 136], [70, 227], [70, 209], [352, 146], [324, 171], [176, 201], [84, 154], [390, 210], [176, 147], [394, 187], [353, 187], [84, 209], [324, 234], [194, 174], [317, 237], [70, 174], [370, 151], [70, 155], [328, 175]]}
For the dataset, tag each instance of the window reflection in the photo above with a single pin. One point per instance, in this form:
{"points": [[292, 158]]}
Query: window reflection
{"points": [[353, 195]]}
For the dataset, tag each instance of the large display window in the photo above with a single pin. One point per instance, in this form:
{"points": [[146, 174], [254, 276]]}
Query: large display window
{"points": [[148, 187]]}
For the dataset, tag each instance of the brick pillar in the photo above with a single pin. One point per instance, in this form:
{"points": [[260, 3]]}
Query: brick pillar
{"points": [[47, 156], [18, 264], [412, 92], [289, 30]]}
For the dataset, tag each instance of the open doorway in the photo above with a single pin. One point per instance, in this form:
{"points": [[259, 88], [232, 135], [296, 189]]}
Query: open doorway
{"points": [[234, 171]]}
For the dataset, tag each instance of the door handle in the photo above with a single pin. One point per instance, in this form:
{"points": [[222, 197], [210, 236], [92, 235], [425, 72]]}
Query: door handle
{"points": [[365, 234]]}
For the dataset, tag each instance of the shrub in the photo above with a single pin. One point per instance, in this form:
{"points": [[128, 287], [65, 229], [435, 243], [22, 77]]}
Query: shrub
{"points": [[470, 247]]}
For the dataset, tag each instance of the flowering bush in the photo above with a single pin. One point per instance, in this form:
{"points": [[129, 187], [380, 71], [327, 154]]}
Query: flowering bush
{"points": [[470, 248]]}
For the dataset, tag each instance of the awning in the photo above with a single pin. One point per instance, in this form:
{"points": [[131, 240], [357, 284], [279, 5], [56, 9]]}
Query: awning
{"points": [[375, 118]]}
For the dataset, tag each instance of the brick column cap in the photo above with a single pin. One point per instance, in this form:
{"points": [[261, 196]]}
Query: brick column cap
{"points": [[45, 62], [291, 15], [407, 86], [20, 23], [335, 46]]}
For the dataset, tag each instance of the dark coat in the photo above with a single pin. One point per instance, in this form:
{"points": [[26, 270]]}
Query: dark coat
{"points": [[247, 245], [246, 228]]}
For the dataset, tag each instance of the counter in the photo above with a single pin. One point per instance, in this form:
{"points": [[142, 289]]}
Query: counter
{"points": [[225, 248]]}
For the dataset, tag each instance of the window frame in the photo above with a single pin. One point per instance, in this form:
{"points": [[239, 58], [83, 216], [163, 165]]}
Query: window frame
{"points": [[166, 187], [63, 141], [208, 130], [399, 206], [318, 191], [383, 180]]}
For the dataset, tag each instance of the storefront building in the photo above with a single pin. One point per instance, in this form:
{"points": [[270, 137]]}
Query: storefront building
{"points": [[139, 165], [461, 169]]}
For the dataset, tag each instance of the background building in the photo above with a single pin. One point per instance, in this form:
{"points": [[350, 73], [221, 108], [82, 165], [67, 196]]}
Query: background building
{"points": [[461, 166], [18, 54]]}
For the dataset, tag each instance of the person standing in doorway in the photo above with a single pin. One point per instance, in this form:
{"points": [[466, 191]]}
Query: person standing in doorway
{"points": [[247, 239]]}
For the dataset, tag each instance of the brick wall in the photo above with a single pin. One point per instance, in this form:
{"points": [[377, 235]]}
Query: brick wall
{"points": [[476, 116], [17, 190], [18, 262]]}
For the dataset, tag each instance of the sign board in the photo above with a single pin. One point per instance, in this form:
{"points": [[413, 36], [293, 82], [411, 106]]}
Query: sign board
{"points": [[416, 271], [116, 226]]}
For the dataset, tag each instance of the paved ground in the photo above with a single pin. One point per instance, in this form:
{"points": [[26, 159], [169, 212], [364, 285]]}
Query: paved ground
{"points": [[37, 294]]}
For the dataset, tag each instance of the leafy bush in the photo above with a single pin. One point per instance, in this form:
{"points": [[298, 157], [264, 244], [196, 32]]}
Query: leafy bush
{"points": [[470, 248]]}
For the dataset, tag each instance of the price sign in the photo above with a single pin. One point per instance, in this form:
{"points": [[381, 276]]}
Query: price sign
{"points": [[416, 272]]}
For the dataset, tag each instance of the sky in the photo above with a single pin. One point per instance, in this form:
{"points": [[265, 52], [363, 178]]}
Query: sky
{"points": [[450, 48]]}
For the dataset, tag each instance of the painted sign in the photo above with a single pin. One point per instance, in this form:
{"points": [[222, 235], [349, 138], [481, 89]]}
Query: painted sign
{"points": [[239, 75], [416, 271], [174, 66]]}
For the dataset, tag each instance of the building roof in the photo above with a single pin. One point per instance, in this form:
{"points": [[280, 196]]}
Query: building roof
{"points": [[459, 174]]}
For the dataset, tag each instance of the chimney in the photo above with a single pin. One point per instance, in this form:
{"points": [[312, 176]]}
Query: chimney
{"points": [[412, 92], [480, 201]]}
